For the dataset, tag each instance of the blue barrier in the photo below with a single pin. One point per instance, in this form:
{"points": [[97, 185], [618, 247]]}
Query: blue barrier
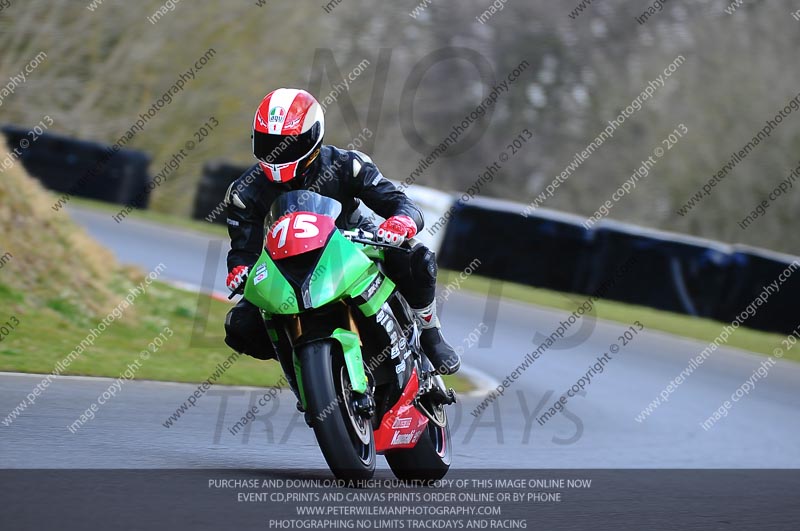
{"points": [[663, 270]]}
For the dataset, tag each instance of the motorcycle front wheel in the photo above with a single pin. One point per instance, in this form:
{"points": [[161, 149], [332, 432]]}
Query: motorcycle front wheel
{"points": [[345, 438]]}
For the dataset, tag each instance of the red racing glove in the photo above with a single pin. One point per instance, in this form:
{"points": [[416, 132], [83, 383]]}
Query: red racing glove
{"points": [[396, 229], [236, 277]]}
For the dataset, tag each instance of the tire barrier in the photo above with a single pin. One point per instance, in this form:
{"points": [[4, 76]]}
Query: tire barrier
{"points": [[549, 250], [671, 272], [217, 176], [82, 168], [752, 269], [666, 271]]}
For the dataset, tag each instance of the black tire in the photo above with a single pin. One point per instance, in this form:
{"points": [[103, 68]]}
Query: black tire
{"points": [[428, 460], [345, 451]]}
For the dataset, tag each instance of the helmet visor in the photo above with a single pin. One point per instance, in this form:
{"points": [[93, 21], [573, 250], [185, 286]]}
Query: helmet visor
{"points": [[283, 149]]}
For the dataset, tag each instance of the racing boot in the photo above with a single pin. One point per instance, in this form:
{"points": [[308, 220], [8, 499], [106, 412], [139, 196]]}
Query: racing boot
{"points": [[443, 356]]}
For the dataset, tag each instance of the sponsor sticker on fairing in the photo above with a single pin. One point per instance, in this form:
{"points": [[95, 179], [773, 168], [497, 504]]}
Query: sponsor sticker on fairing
{"points": [[401, 423], [261, 273], [402, 438]]}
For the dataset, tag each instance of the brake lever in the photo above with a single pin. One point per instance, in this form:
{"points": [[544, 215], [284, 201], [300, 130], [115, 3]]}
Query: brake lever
{"points": [[380, 244]]}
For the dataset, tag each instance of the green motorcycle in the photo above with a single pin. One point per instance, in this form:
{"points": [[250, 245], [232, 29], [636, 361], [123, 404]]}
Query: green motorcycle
{"points": [[348, 343]]}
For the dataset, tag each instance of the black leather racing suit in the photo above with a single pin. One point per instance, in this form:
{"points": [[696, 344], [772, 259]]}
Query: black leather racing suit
{"points": [[349, 177]]}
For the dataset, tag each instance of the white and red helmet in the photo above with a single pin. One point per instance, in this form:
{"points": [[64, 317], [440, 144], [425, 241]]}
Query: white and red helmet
{"points": [[287, 133]]}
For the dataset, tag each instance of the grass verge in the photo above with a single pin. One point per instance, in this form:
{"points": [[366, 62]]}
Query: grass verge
{"points": [[47, 333]]}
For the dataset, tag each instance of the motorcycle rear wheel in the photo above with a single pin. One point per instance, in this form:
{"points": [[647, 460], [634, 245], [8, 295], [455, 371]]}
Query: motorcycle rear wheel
{"points": [[429, 459]]}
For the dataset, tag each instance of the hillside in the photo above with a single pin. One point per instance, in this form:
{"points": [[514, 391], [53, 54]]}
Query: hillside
{"points": [[50, 263]]}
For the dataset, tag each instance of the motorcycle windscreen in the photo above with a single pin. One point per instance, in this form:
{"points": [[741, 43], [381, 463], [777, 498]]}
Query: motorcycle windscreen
{"points": [[302, 201]]}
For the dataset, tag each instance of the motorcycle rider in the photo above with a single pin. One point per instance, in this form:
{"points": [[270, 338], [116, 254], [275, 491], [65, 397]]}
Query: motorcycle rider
{"points": [[288, 129]]}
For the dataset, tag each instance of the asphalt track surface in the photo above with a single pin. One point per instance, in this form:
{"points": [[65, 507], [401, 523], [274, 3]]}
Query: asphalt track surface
{"points": [[598, 430]]}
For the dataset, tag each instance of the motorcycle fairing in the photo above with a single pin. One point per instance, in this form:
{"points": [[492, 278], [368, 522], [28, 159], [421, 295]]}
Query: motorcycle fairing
{"points": [[402, 426]]}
